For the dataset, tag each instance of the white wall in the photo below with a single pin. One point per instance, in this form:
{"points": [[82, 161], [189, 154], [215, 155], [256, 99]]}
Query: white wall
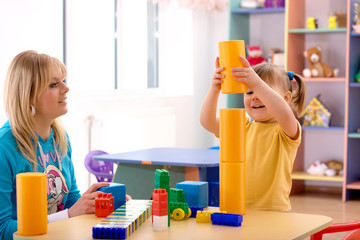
{"points": [[168, 116]]}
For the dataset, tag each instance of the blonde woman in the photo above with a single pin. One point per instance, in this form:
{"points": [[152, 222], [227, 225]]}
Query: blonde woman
{"points": [[33, 140]]}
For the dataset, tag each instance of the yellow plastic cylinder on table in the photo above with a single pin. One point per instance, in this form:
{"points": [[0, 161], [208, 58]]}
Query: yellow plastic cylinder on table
{"points": [[232, 160], [31, 203], [229, 53]]}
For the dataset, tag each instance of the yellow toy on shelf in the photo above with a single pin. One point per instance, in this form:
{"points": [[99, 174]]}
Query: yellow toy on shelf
{"points": [[332, 21], [311, 23]]}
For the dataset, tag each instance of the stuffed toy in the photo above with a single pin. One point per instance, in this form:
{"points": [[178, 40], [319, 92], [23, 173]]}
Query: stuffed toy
{"points": [[328, 168], [317, 68], [254, 55]]}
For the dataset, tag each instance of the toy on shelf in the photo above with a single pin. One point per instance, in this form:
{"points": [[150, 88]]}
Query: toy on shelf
{"points": [[329, 168], [341, 19], [317, 68], [250, 3], [316, 114], [332, 21], [357, 76], [312, 23], [104, 204], [254, 55], [274, 3], [356, 26]]}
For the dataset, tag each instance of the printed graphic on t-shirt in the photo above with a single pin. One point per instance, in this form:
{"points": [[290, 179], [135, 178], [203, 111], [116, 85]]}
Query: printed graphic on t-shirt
{"points": [[56, 188]]}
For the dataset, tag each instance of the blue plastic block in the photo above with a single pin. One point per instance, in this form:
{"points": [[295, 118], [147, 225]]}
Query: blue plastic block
{"points": [[196, 193], [194, 211], [226, 219], [214, 194], [118, 190]]}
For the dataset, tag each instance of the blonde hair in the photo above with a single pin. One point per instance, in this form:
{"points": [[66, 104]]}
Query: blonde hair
{"points": [[277, 76], [28, 77]]}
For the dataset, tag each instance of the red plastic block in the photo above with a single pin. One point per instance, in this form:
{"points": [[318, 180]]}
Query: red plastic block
{"points": [[104, 204], [160, 202]]}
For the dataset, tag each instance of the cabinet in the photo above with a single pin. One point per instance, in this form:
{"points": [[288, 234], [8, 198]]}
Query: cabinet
{"points": [[341, 94]]}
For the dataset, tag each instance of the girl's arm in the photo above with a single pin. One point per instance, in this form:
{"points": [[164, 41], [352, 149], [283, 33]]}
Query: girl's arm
{"points": [[208, 117], [276, 104]]}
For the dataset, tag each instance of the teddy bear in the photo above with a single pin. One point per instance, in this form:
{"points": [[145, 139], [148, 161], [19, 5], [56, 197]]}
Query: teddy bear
{"points": [[317, 68], [328, 168], [254, 55]]}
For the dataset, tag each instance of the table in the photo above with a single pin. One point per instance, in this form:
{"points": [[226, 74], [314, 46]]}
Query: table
{"points": [[136, 168], [256, 225]]}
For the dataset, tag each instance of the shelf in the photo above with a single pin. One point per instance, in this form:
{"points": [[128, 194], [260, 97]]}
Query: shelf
{"points": [[331, 128], [354, 135], [354, 84], [318, 30], [354, 34], [306, 176], [332, 79], [258, 10], [354, 185]]}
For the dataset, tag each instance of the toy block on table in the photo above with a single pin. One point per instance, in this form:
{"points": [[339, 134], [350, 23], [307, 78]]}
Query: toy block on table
{"points": [[104, 204], [160, 210], [203, 217], [162, 180], [227, 219], [118, 190], [124, 220], [196, 192], [177, 195], [194, 211]]}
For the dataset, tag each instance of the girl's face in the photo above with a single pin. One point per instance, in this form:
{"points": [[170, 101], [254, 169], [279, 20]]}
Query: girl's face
{"points": [[256, 109], [52, 102]]}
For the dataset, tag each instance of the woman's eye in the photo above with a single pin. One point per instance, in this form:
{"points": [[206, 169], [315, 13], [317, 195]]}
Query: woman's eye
{"points": [[53, 85]]}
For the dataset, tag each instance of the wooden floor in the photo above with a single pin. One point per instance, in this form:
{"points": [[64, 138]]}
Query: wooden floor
{"points": [[329, 204]]}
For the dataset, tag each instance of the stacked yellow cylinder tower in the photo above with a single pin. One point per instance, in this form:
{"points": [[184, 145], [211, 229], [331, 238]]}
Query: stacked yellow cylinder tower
{"points": [[232, 133]]}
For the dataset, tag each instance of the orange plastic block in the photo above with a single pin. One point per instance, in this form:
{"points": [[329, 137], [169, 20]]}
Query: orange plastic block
{"points": [[160, 202], [104, 204], [31, 203], [232, 135], [229, 53], [232, 187]]}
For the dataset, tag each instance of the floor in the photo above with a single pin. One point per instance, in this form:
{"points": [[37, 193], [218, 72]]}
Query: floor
{"points": [[329, 204]]}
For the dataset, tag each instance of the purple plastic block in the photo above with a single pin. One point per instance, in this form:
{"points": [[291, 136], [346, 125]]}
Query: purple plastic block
{"points": [[226, 219]]}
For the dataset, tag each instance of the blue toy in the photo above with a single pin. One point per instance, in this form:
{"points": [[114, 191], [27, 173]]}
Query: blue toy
{"points": [[226, 219], [118, 191], [196, 193]]}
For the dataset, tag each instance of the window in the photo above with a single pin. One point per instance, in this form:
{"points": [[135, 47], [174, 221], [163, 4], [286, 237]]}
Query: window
{"points": [[111, 44]]}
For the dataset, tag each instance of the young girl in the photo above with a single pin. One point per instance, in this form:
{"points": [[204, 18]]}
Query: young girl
{"points": [[34, 140], [272, 137]]}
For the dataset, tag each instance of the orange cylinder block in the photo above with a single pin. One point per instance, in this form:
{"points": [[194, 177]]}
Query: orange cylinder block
{"points": [[232, 187], [229, 53], [31, 203], [232, 135], [232, 160]]}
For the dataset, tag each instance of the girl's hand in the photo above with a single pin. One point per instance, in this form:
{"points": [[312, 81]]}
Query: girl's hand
{"points": [[86, 203], [217, 77], [128, 197], [246, 74]]}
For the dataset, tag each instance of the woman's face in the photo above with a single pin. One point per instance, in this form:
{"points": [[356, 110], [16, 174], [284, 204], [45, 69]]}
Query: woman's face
{"points": [[52, 102]]}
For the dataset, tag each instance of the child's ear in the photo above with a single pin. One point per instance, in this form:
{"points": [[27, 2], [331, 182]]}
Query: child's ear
{"points": [[288, 97]]}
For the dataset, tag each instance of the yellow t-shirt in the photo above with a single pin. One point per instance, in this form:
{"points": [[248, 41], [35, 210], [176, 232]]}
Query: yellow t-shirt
{"points": [[270, 155]]}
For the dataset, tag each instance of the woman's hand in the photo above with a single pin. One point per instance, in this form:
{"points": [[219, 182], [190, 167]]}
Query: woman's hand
{"points": [[86, 203]]}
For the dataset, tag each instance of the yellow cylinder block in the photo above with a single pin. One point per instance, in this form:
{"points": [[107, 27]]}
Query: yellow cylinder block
{"points": [[232, 135], [232, 187], [31, 203], [229, 52]]}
